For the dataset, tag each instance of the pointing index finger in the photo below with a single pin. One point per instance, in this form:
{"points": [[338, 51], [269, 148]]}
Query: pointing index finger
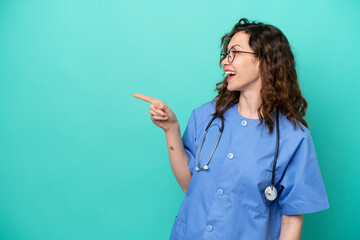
{"points": [[144, 97]]}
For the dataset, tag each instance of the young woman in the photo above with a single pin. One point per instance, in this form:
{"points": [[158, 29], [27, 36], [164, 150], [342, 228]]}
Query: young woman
{"points": [[256, 172]]}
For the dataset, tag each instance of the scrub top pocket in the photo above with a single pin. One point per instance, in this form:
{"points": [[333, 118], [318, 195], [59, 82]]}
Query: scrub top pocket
{"points": [[178, 230]]}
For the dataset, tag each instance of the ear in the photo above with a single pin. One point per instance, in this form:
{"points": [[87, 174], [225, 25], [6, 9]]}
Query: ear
{"points": [[258, 64]]}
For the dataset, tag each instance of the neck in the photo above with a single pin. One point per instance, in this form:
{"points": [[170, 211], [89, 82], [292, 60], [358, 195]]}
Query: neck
{"points": [[249, 103]]}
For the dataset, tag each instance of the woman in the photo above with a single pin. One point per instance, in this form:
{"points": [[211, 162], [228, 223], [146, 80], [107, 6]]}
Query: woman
{"points": [[231, 192]]}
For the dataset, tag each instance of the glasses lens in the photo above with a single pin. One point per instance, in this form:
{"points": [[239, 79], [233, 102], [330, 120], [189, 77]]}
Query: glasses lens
{"points": [[222, 55], [231, 55]]}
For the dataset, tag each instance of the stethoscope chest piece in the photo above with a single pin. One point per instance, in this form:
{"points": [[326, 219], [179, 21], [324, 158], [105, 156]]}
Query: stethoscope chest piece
{"points": [[271, 193], [203, 168]]}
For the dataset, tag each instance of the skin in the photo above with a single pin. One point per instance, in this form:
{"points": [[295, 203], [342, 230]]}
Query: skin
{"points": [[248, 81], [291, 227], [161, 115]]}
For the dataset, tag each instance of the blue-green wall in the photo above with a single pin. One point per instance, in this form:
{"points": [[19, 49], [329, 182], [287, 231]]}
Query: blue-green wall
{"points": [[79, 155]]}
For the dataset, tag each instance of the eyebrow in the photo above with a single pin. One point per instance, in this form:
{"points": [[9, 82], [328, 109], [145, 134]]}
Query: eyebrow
{"points": [[234, 46]]}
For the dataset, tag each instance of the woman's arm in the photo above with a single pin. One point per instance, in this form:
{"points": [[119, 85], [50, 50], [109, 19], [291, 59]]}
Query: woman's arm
{"points": [[178, 157], [291, 227]]}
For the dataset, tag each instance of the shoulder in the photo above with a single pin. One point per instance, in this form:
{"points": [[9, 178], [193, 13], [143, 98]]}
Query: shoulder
{"points": [[294, 136], [206, 107], [203, 112]]}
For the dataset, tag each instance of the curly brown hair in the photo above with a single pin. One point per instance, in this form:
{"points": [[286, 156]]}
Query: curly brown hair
{"points": [[279, 87]]}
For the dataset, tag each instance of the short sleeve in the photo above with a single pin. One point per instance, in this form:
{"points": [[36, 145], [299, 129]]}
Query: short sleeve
{"points": [[303, 187], [189, 138]]}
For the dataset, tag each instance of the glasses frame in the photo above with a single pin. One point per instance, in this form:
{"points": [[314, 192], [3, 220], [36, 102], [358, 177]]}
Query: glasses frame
{"points": [[223, 56]]}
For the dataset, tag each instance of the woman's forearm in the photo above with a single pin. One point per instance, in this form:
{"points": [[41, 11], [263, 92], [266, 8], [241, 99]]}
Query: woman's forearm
{"points": [[291, 227], [178, 158]]}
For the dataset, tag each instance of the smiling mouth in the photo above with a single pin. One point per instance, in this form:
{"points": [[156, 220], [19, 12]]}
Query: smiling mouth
{"points": [[230, 77]]}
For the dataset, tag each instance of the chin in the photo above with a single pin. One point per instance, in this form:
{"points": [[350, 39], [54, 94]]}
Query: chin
{"points": [[232, 89]]}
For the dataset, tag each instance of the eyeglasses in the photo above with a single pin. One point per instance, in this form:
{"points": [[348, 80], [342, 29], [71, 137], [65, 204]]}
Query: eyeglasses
{"points": [[231, 54]]}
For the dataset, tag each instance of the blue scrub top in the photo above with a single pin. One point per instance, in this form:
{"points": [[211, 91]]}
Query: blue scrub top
{"points": [[227, 201]]}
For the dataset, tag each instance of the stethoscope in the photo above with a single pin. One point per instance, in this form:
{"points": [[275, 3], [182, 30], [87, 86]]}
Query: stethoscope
{"points": [[270, 191]]}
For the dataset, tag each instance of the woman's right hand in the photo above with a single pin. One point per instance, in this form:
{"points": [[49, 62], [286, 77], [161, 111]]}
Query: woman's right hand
{"points": [[161, 115]]}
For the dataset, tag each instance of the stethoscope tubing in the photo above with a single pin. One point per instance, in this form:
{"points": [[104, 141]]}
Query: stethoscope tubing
{"points": [[270, 192], [221, 130], [277, 147]]}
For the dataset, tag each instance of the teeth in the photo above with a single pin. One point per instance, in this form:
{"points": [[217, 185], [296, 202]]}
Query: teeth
{"points": [[230, 73]]}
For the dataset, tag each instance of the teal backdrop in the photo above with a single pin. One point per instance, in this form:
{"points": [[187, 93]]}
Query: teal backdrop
{"points": [[80, 157]]}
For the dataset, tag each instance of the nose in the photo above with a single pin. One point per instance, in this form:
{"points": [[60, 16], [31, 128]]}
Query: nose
{"points": [[225, 62]]}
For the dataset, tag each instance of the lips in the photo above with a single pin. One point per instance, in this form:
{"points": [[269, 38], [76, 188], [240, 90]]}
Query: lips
{"points": [[229, 78]]}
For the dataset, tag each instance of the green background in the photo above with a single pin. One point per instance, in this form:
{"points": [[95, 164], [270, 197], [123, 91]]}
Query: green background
{"points": [[80, 157]]}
